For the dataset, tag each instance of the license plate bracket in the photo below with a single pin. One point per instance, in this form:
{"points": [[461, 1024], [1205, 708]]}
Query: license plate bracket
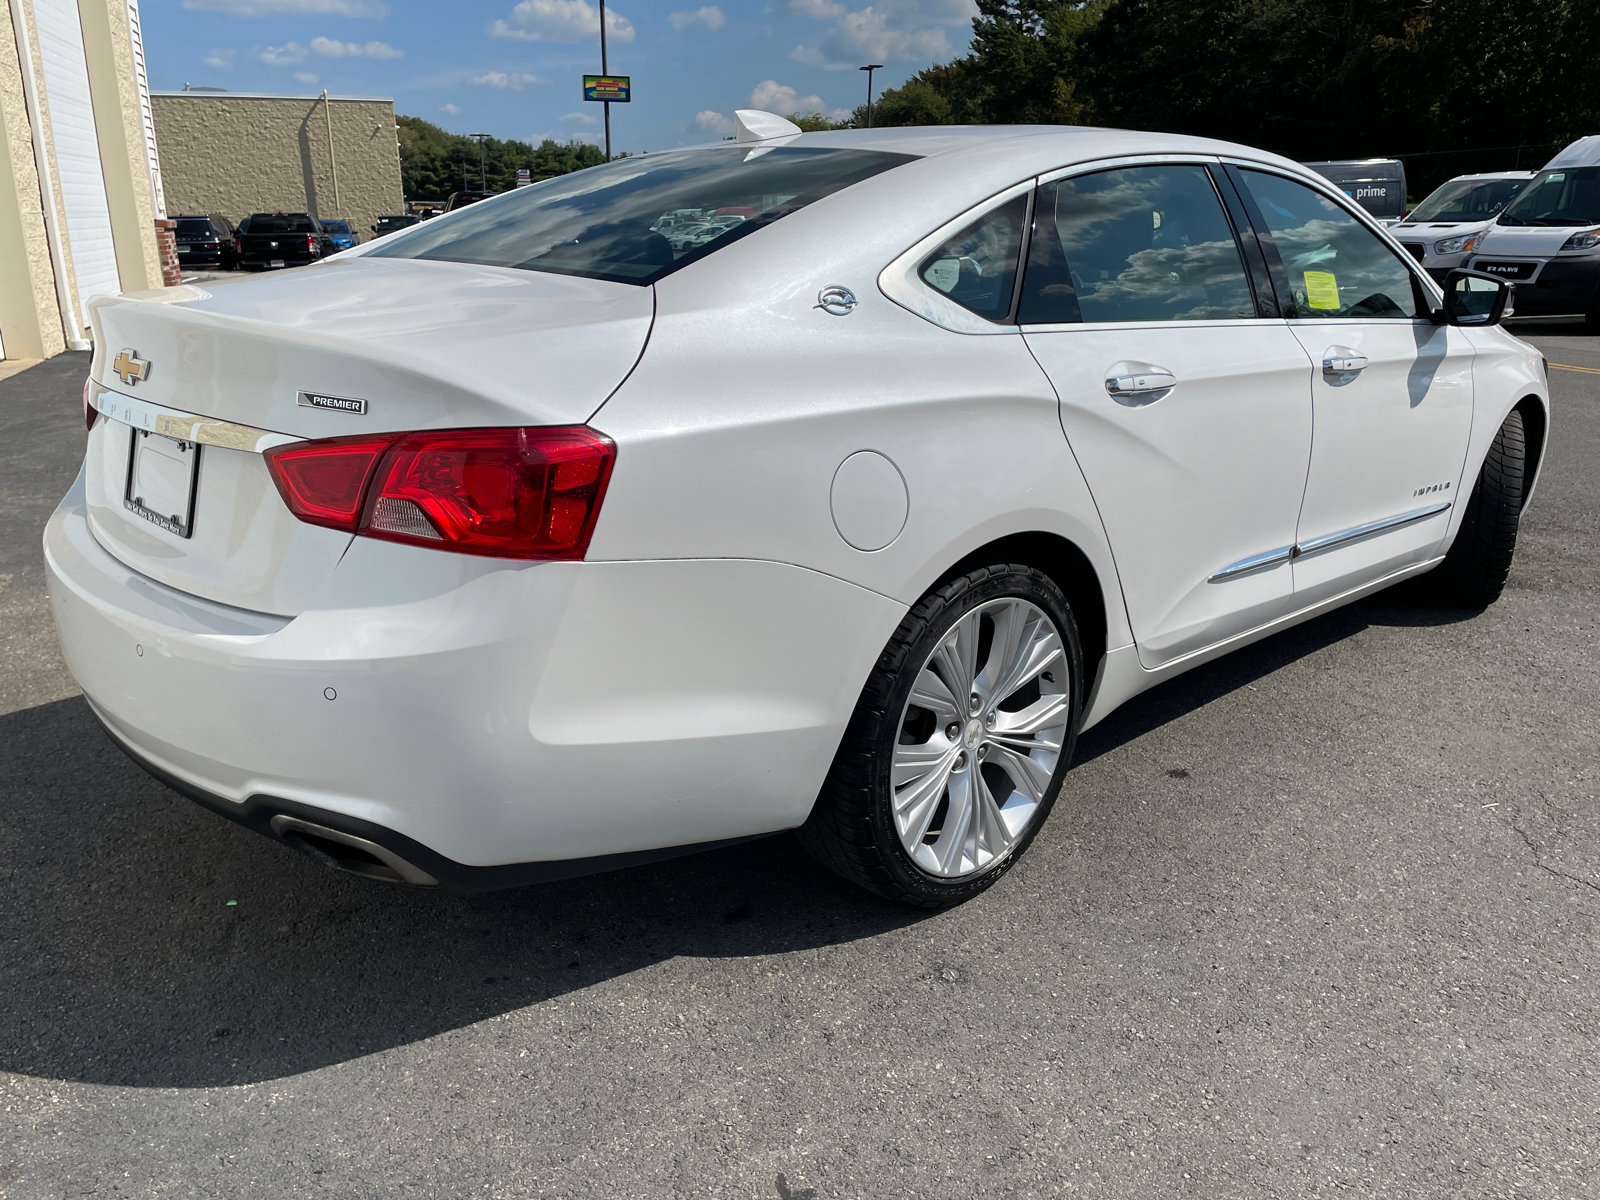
{"points": [[163, 478]]}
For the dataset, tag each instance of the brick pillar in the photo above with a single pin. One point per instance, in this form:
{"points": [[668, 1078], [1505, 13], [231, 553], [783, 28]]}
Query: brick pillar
{"points": [[167, 240]]}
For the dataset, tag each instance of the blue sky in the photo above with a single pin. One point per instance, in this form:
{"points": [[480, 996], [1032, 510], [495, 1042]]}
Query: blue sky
{"points": [[513, 68]]}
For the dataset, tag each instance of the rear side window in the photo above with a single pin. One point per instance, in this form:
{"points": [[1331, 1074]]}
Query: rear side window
{"points": [[639, 219], [1140, 244], [268, 224], [977, 268], [1336, 267]]}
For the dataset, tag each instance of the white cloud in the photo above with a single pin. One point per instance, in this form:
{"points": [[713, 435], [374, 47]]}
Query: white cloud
{"points": [[515, 80], [711, 16], [333, 48], [452, 109], [305, 77], [582, 118], [273, 8], [711, 121], [820, 10], [222, 60], [889, 31], [560, 21], [282, 56], [779, 98]]}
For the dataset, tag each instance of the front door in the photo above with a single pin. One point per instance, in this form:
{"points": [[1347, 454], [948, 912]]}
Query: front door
{"points": [[1189, 414], [1392, 392]]}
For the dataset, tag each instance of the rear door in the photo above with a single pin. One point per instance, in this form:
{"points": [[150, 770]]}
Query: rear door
{"points": [[1392, 392], [1184, 396]]}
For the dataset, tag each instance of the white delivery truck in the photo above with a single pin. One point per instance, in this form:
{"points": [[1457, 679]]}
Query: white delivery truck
{"points": [[1442, 232], [1547, 240]]}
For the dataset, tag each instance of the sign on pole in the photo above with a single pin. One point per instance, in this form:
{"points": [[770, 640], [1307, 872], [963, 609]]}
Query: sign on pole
{"points": [[612, 89], [524, 176]]}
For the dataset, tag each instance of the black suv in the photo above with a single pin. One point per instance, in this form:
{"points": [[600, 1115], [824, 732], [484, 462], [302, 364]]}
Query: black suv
{"points": [[205, 242]]}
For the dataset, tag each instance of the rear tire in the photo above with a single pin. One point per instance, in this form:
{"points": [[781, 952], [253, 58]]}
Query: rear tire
{"points": [[929, 807], [1473, 573]]}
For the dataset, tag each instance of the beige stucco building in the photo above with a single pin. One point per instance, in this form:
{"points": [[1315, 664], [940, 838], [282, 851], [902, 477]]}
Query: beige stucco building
{"points": [[80, 183], [237, 153]]}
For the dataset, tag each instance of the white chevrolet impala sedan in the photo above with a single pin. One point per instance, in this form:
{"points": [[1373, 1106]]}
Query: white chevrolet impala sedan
{"points": [[828, 482]]}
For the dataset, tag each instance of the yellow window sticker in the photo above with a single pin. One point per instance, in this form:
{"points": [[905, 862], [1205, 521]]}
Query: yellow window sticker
{"points": [[1322, 290]]}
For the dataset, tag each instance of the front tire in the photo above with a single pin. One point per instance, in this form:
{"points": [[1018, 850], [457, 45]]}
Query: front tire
{"points": [[1474, 571], [957, 748]]}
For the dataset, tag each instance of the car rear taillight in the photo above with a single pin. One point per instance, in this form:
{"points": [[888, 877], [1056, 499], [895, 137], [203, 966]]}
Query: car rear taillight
{"points": [[507, 493], [325, 482], [311, 244]]}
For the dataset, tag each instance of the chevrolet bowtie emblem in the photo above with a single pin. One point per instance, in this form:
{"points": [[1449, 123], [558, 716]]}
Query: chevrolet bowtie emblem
{"points": [[129, 367]]}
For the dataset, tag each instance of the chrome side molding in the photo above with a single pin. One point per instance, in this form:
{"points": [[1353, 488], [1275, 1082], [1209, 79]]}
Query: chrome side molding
{"points": [[1329, 541], [1256, 562], [1360, 533]]}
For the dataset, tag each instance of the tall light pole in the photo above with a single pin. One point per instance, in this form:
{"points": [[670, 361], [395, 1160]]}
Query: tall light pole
{"points": [[605, 69], [869, 69], [483, 171]]}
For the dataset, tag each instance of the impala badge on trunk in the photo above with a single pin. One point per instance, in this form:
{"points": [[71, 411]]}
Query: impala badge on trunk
{"points": [[337, 403]]}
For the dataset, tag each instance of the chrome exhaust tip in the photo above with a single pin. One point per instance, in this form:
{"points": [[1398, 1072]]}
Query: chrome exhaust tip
{"points": [[346, 852]]}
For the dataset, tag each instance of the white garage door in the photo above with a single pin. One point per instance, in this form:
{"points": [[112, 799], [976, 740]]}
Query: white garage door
{"points": [[83, 187]]}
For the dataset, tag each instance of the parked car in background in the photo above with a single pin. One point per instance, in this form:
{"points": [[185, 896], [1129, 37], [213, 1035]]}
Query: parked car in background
{"points": [[1377, 184], [462, 199], [339, 234], [393, 224], [205, 242], [1442, 232], [281, 240], [1547, 240], [528, 544]]}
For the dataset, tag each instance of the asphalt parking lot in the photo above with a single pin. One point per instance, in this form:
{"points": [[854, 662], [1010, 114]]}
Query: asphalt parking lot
{"points": [[1322, 918]]}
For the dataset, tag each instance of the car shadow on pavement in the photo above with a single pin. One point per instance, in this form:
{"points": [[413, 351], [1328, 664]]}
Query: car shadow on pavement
{"points": [[1406, 604], [149, 943]]}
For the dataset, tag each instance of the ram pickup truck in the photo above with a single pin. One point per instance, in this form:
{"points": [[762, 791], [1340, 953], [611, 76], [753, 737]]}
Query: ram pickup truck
{"points": [[269, 240]]}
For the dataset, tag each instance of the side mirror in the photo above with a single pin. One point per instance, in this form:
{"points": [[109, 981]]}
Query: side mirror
{"points": [[1473, 298]]}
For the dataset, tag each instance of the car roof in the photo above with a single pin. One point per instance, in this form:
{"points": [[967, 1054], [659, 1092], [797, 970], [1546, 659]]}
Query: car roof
{"points": [[1026, 148], [1494, 175], [1585, 152]]}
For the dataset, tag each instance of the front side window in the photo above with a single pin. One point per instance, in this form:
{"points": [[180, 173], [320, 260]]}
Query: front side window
{"points": [[977, 268], [1567, 197], [638, 219], [1336, 267], [1139, 244], [1466, 200]]}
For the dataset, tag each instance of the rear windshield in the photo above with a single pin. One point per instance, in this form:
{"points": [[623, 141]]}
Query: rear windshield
{"points": [[636, 220], [194, 227], [336, 226], [270, 224], [1467, 200], [1569, 197]]}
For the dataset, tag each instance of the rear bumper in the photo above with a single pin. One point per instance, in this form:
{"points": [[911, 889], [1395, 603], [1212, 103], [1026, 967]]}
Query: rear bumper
{"points": [[490, 718]]}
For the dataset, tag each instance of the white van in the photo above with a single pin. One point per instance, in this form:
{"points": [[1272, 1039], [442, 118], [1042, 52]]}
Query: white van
{"points": [[1442, 232], [1548, 239]]}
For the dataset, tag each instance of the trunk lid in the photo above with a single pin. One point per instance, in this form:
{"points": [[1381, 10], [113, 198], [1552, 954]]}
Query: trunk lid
{"points": [[425, 345]]}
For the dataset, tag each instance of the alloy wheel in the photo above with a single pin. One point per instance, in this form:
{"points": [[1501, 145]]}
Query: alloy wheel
{"points": [[980, 737]]}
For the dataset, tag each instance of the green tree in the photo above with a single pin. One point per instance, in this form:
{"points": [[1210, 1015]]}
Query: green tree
{"points": [[434, 163]]}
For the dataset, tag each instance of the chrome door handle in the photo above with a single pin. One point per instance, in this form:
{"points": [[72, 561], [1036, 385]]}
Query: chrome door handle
{"points": [[1141, 386], [1340, 360]]}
